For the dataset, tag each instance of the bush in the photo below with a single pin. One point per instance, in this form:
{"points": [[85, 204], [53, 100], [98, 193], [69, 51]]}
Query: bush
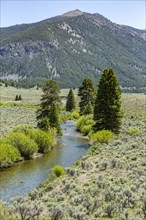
{"points": [[74, 115], [23, 128], [134, 131], [85, 123], [4, 213], [58, 170], [64, 117], [1, 103], [86, 129], [90, 122], [8, 155], [80, 122], [44, 140], [102, 136], [23, 143]]}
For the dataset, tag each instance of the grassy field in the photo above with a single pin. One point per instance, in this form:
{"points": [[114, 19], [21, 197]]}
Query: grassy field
{"points": [[13, 116], [108, 183], [134, 106], [29, 96], [22, 113]]}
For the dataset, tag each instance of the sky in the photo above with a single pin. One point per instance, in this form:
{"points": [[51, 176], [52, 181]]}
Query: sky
{"points": [[125, 12]]}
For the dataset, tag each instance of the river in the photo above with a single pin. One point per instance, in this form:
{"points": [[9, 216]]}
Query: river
{"points": [[25, 176]]}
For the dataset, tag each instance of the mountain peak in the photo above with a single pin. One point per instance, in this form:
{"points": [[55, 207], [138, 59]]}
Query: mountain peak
{"points": [[73, 13]]}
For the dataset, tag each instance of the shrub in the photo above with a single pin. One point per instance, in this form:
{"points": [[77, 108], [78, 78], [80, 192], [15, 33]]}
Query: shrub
{"points": [[74, 115], [44, 140], [8, 155], [85, 123], [4, 213], [134, 131], [2, 210], [23, 143], [64, 117], [86, 129], [80, 122], [58, 170], [23, 128], [102, 136], [90, 122], [1, 103]]}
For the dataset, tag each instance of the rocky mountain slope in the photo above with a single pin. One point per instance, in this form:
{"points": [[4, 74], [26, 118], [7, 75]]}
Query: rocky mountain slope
{"points": [[70, 47]]}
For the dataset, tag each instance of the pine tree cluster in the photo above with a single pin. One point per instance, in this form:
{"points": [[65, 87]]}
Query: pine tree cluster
{"points": [[106, 106], [105, 103], [18, 98]]}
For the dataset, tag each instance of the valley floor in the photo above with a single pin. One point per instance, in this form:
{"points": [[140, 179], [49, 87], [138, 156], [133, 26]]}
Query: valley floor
{"points": [[108, 183]]}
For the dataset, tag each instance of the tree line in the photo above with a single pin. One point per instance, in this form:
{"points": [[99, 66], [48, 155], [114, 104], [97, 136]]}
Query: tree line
{"points": [[104, 103]]}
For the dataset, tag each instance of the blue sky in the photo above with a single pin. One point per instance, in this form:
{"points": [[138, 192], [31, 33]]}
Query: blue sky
{"points": [[126, 12]]}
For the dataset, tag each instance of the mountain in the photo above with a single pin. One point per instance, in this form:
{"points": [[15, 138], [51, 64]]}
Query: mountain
{"points": [[74, 13], [70, 47]]}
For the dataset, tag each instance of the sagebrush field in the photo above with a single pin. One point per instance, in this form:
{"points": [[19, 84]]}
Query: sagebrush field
{"points": [[108, 183], [14, 112]]}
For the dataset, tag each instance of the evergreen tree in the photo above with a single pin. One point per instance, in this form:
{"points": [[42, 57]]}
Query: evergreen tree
{"points": [[51, 92], [54, 119], [70, 103], [13, 84], [87, 96], [43, 124], [16, 98], [19, 97], [107, 113]]}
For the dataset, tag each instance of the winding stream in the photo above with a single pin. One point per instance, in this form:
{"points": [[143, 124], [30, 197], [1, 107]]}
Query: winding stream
{"points": [[25, 176]]}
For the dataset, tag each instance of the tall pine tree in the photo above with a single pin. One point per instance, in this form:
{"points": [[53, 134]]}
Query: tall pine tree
{"points": [[70, 103], [54, 119], [87, 96], [107, 113], [51, 92]]}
